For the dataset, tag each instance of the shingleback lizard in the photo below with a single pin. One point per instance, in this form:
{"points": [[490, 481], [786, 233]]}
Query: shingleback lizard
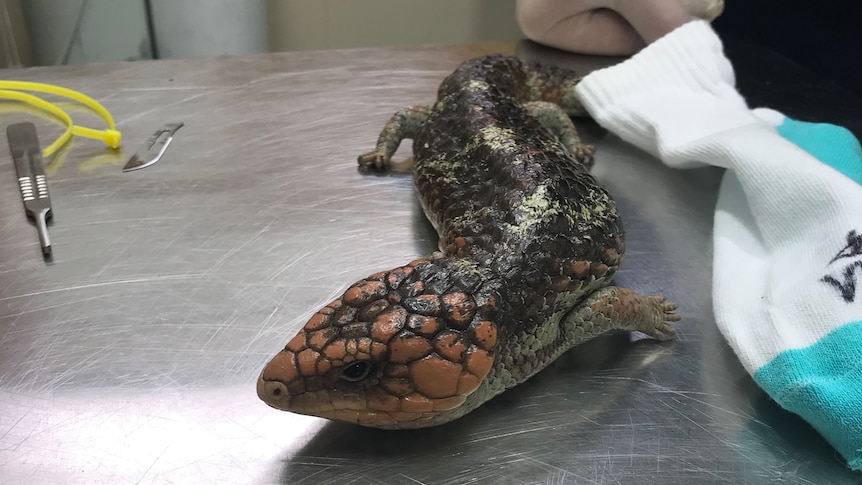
{"points": [[529, 242]]}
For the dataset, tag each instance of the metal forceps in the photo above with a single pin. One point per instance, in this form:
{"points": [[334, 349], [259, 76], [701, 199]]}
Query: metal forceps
{"points": [[24, 145]]}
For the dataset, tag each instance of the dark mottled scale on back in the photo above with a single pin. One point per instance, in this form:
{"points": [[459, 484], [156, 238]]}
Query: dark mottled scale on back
{"points": [[464, 168], [503, 192]]}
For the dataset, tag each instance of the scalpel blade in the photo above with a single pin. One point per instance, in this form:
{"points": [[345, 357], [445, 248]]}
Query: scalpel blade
{"points": [[153, 149]]}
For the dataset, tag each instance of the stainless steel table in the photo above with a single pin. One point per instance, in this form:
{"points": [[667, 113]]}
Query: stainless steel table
{"points": [[132, 357]]}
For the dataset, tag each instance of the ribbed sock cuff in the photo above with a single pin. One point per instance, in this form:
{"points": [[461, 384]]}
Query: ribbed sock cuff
{"points": [[822, 383], [680, 80]]}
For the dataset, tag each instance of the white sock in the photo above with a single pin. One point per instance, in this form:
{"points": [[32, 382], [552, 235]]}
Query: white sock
{"points": [[787, 285]]}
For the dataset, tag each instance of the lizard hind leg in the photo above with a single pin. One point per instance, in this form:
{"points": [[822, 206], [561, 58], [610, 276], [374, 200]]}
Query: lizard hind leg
{"points": [[614, 307], [555, 120], [405, 123]]}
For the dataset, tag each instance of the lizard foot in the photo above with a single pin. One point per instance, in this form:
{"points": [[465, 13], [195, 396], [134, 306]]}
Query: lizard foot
{"points": [[584, 153], [373, 160], [658, 328]]}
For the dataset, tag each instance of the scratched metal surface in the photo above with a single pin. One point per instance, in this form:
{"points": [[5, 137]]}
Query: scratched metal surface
{"points": [[133, 357]]}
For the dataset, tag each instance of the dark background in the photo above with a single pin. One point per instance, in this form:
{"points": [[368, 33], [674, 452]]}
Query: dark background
{"points": [[801, 58]]}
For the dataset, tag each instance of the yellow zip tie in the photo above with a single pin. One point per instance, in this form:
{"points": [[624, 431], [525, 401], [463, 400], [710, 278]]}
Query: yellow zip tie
{"points": [[110, 136], [50, 108]]}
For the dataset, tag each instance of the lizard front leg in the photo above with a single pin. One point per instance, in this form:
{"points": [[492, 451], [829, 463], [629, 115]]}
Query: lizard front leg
{"points": [[405, 123]]}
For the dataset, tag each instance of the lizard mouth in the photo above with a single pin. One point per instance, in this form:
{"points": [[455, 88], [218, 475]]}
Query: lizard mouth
{"points": [[377, 419], [321, 404]]}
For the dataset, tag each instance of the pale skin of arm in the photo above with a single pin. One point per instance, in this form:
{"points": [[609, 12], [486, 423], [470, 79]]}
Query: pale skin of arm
{"points": [[608, 27]]}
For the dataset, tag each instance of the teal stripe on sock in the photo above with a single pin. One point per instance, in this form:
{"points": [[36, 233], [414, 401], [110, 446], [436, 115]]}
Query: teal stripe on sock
{"points": [[822, 383], [831, 144]]}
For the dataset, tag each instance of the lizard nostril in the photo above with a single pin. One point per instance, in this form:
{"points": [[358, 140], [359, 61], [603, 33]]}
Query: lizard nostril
{"points": [[272, 391], [276, 389]]}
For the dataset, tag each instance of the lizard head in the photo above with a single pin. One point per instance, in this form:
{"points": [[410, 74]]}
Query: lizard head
{"points": [[391, 352]]}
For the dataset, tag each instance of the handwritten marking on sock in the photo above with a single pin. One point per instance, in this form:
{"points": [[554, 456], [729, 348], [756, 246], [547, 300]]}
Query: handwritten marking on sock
{"points": [[847, 288], [853, 247], [845, 282]]}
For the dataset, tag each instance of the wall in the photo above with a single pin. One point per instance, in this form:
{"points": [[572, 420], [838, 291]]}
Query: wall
{"points": [[323, 24], [19, 40], [77, 31], [203, 28]]}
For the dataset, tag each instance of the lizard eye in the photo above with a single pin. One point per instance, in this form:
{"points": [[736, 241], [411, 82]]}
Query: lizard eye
{"points": [[356, 371]]}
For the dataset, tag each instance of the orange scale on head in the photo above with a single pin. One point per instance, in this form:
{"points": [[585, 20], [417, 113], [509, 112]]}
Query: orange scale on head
{"points": [[370, 311], [423, 325], [459, 308], [317, 321], [429, 305], [297, 343], [479, 362], [364, 292], [484, 334], [307, 362], [407, 347], [351, 347], [331, 307], [414, 289], [387, 324], [435, 377], [378, 276], [281, 368], [319, 338], [398, 275], [364, 344], [417, 262], [467, 383], [326, 311], [451, 345], [336, 350]]}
